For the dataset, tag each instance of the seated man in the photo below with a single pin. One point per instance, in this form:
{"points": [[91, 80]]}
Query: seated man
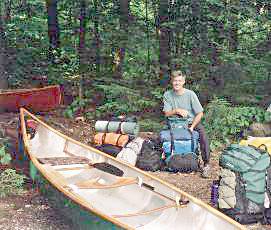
{"points": [[185, 103]]}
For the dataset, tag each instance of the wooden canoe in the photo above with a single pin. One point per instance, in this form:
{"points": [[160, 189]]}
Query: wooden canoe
{"points": [[35, 100], [134, 200]]}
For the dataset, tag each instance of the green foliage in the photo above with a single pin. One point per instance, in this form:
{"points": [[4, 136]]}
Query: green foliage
{"points": [[225, 122], [11, 183], [77, 105], [150, 125], [120, 99], [5, 157]]}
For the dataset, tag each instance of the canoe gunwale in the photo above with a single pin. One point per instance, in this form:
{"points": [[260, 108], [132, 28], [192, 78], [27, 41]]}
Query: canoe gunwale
{"points": [[85, 204], [22, 91]]}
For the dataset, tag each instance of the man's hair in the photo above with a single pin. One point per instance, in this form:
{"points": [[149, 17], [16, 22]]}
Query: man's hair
{"points": [[177, 73]]}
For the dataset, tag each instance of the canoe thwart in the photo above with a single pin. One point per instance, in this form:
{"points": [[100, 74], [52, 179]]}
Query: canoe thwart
{"points": [[96, 184], [103, 166], [150, 211], [73, 168]]}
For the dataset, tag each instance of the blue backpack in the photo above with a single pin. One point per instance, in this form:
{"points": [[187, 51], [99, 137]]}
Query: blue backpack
{"points": [[182, 141], [180, 146]]}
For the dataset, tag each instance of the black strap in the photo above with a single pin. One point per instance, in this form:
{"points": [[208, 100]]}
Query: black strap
{"points": [[242, 150], [106, 127], [118, 139], [192, 140], [103, 138], [172, 146], [259, 148], [238, 158], [119, 127]]}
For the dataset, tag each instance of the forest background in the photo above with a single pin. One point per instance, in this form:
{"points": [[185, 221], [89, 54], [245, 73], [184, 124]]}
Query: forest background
{"points": [[115, 57]]}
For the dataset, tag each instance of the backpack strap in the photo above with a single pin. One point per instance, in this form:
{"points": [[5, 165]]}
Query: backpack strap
{"points": [[119, 127], [192, 140], [262, 151], [106, 127], [103, 138], [117, 142], [172, 146]]}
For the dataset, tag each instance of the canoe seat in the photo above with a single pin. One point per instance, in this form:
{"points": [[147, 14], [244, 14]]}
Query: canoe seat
{"points": [[63, 160], [150, 211], [74, 168], [95, 184]]}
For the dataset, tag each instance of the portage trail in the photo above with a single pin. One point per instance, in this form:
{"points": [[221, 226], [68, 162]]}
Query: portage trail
{"points": [[31, 211]]}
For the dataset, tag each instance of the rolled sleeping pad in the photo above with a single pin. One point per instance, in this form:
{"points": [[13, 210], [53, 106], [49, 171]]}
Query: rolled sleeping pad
{"points": [[131, 128], [111, 138]]}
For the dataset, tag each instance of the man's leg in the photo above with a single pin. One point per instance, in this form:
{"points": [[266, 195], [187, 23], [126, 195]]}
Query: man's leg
{"points": [[204, 144]]}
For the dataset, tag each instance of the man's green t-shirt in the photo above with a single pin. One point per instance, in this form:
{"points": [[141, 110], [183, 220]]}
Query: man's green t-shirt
{"points": [[188, 101]]}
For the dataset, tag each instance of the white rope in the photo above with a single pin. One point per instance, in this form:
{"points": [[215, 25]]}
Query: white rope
{"points": [[140, 181], [177, 200], [73, 187]]}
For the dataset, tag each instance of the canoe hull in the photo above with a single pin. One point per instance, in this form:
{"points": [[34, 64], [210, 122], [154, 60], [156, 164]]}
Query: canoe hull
{"points": [[134, 200], [78, 217], [35, 100]]}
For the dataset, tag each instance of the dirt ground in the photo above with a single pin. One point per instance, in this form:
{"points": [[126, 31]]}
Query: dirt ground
{"points": [[31, 211]]}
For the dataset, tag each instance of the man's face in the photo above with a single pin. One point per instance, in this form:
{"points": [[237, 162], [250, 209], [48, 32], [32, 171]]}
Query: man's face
{"points": [[178, 83]]}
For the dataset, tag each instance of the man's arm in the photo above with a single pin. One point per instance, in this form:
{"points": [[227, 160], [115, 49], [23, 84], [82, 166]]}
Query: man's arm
{"points": [[196, 120], [180, 112]]}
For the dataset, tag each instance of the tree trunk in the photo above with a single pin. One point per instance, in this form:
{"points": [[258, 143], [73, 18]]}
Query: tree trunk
{"points": [[233, 33], [3, 76], [164, 42], [148, 35], [53, 28], [195, 28], [81, 48], [97, 38], [124, 12], [217, 27], [7, 10], [26, 7]]}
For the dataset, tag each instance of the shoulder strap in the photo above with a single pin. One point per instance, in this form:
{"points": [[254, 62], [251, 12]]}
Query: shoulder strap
{"points": [[192, 140], [172, 146]]}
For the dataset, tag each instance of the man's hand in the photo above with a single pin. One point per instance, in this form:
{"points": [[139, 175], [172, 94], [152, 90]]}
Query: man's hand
{"points": [[181, 112], [191, 128]]}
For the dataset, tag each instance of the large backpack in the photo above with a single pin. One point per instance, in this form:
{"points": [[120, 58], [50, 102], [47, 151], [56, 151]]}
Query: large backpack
{"points": [[149, 158], [180, 147], [248, 165]]}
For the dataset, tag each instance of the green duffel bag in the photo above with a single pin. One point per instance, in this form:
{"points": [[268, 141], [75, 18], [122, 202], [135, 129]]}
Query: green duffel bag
{"points": [[252, 164], [239, 158]]}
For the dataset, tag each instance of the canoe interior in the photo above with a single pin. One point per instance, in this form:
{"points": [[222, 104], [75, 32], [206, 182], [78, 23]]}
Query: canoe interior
{"points": [[134, 200], [78, 217]]}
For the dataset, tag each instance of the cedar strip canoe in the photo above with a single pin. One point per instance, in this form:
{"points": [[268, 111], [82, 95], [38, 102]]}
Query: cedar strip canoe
{"points": [[35, 100], [131, 200]]}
